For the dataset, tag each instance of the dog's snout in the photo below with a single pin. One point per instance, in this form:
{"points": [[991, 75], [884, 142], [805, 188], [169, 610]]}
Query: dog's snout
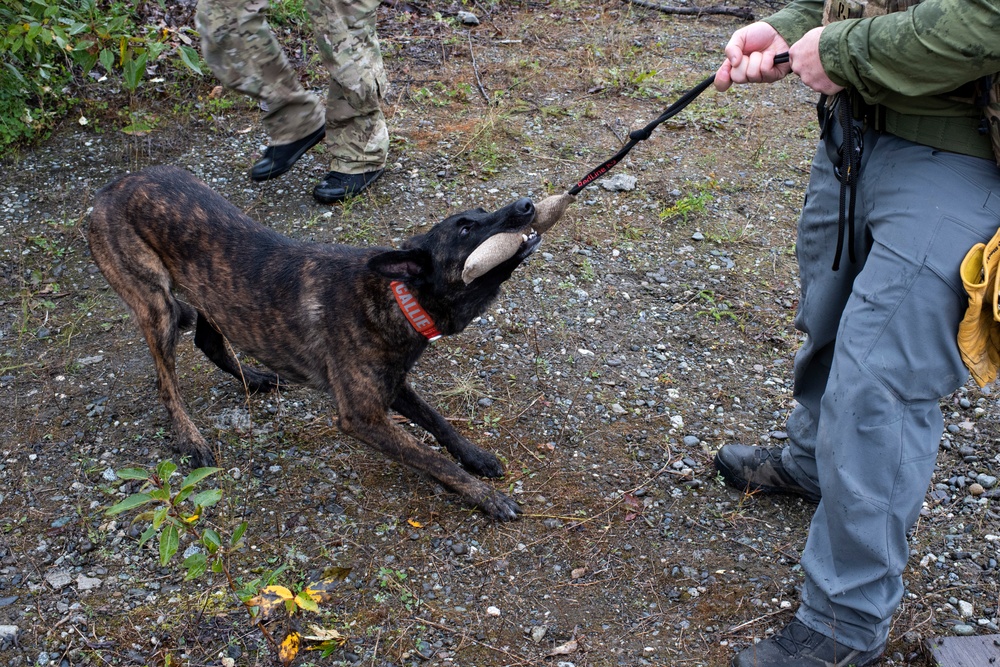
{"points": [[524, 206]]}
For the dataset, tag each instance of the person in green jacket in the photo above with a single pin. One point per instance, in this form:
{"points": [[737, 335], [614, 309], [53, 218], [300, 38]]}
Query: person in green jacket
{"points": [[903, 184]]}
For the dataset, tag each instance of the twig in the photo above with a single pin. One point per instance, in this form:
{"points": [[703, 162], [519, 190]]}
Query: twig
{"points": [[740, 12], [521, 444], [475, 68], [755, 620], [464, 635], [378, 639], [620, 138]]}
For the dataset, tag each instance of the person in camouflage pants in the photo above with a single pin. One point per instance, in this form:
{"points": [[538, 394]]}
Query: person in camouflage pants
{"points": [[239, 46]]}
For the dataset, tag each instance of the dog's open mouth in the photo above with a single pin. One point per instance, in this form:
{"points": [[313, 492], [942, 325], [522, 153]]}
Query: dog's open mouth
{"points": [[506, 245], [529, 243]]}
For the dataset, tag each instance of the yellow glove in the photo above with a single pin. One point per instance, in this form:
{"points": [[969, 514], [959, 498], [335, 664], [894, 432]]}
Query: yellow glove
{"points": [[979, 330]]}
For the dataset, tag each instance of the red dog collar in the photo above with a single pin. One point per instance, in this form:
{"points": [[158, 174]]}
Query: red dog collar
{"points": [[418, 318]]}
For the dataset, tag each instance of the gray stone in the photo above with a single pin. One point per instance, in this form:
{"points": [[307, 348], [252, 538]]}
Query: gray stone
{"points": [[987, 481], [85, 583], [58, 579], [618, 183], [963, 630]]}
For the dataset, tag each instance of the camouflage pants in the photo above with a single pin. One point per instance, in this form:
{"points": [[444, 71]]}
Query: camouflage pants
{"points": [[242, 51]]}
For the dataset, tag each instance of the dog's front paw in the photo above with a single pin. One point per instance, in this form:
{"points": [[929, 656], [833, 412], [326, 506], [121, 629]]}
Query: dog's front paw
{"points": [[481, 462], [500, 507]]}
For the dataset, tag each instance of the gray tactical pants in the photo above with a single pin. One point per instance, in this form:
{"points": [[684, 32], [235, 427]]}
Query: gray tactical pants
{"points": [[880, 353], [244, 54]]}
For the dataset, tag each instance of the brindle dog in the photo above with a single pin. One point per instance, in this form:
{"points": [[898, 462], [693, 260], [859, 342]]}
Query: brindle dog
{"points": [[315, 314]]}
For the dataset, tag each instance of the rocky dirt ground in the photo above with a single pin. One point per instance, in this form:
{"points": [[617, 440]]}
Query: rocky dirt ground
{"points": [[653, 326]]}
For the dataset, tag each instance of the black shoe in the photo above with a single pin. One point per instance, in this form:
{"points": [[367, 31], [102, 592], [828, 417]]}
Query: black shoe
{"points": [[279, 159], [798, 646], [337, 186], [752, 469]]}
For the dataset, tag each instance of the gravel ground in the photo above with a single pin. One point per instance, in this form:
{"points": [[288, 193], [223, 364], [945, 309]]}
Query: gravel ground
{"points": [[653, 326]]}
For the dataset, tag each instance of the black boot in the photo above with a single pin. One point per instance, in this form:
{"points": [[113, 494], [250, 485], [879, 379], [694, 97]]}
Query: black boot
{"points": [[337, 186], [751, 469], [279, 159], [799, 646]]}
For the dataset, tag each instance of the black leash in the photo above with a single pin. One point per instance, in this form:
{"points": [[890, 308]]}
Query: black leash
{"points": [[847, 172], [641, 135]]}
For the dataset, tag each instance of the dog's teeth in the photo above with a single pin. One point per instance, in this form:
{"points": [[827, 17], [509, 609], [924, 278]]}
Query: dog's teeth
{"points": [[524, 237]]}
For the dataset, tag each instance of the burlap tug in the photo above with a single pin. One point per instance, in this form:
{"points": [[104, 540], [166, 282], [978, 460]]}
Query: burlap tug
{"points": [[501, 247]]}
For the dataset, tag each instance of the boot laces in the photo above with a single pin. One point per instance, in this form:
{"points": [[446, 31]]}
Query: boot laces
{"points": [[794, 638]]}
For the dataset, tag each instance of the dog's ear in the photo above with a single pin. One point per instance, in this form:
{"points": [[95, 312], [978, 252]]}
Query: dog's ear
{"points": [[401, 264]]}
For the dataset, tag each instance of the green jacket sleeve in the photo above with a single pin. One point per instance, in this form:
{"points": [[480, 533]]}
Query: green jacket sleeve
{"points": [[797, 19], [930, 49]]}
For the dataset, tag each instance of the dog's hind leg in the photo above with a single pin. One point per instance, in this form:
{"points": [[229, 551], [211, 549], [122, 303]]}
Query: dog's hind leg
{"points": [[211, 341], [158, 314], [476, 460], [140, 279]]}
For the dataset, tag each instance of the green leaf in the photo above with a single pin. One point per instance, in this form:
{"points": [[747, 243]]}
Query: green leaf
{"points": [[159, 515], [143, 516], [197, 475], [130, 503], [169, 541], [154, 49], [133, 473], [134, 70], [195, 564], [164, 469], [162, 494], [207, 498], [183, 494], [13, 70], [217, 566], [147, 535], [85, 60], [274, 575], [238, 533], [211, 540], [304, 601], [190, 58], [107, 59]]}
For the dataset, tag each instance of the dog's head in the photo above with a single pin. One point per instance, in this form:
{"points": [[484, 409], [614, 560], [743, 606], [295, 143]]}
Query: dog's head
{"points": [[432, 264]]}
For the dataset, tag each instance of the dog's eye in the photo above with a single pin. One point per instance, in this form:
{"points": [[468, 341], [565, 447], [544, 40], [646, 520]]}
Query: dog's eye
{"points": [[464, 231]]}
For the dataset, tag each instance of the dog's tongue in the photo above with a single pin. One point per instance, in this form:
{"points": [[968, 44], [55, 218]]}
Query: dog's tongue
{"points": [[501, 247]]}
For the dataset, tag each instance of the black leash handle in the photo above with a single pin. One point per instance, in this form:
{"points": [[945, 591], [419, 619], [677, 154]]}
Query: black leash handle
{"points": [[635, 136]]}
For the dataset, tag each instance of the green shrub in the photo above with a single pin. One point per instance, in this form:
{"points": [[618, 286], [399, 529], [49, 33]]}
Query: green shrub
{"points": [[48, 45]]}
